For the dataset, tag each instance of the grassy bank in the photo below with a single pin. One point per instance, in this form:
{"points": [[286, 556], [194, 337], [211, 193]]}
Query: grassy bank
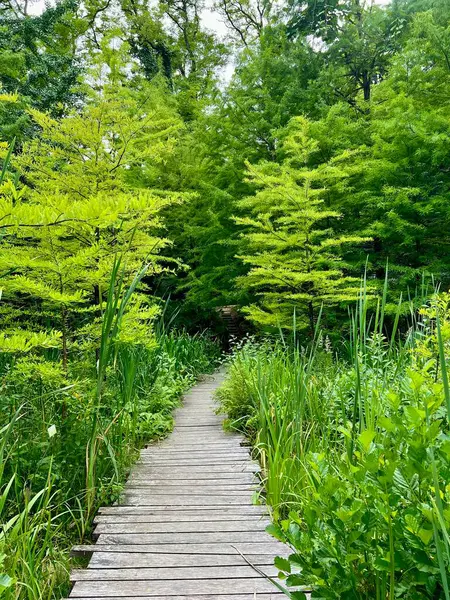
{"points": [[354, 445]]}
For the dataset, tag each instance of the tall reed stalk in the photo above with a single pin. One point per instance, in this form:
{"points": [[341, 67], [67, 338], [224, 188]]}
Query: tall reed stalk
{"points": [[117, 300]]}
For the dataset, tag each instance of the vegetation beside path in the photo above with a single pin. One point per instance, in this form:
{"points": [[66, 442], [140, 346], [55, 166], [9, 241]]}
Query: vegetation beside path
{"points": [[72, 435], [354, 444]]}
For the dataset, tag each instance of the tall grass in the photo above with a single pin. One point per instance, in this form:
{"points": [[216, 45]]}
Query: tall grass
{"points": [[354, 447]]}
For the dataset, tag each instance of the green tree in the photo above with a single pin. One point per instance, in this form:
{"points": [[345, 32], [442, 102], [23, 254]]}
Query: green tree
{"points": [[38, 60], [293, 253], [357, 39], [83, 201], [170, 39], [396, 157]]}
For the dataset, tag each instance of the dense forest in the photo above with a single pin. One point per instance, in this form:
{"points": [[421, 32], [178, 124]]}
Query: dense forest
{"points": [[162, 160]]}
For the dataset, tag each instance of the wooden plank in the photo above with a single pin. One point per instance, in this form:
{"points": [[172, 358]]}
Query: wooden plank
{"points": [[271, 548], [186, 488], [204, 459], [175, 472], [186, 511], [170, 573], [181, 507], [168, 491], [177, 450], [191, 473], [132, 526], [204, 465], [185, 438], [197, 423], [232, 462], [272, 596], [182, 517], [202, 433], [176, 500], [241, 479], [217, 443], [117, 589], [204, 476], [200, 516], [211, 459], [201, 537], [195, 445], [197, 453], [208, 429], [116, 560], [201, 420]]}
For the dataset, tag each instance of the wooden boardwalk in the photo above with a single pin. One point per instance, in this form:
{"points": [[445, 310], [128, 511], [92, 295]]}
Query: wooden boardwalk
{"points": [[187, 511]]}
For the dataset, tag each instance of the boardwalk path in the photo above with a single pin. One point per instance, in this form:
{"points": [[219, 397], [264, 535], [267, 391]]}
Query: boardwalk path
{"points": [[187, 508]]}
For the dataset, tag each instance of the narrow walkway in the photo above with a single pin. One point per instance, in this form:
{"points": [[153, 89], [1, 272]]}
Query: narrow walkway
{"points": [[186, 514]]}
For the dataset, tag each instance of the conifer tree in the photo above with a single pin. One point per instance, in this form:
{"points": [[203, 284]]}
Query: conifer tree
{"points": [[291, 250], [84, 199]]}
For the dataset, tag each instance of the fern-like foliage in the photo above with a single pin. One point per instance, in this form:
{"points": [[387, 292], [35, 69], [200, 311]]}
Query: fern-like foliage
{"points": [[291, 249]]}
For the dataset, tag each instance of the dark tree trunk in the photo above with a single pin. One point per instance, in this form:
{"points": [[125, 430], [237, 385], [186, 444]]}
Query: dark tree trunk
{"points": [[311, 317]]}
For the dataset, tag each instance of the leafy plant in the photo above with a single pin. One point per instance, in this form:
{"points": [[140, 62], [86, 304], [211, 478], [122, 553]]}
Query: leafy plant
{"points": [[355, 456]]}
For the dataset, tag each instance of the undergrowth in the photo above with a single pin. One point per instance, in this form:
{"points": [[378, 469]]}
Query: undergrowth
{"points": [[355, 452], [71, 436]]}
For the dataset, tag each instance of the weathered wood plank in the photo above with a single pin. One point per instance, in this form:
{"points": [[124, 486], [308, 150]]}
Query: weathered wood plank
{"points": [[143, 486], [184, 510], [246, 482], [132, 526], [137, 490], [116, 589], [168, 573], [198, 449], [201, 537], [176, 500], [275, 595], [187, 511], [234, 462], [192, 517], [116, 560], [184, 445], [205, 477], [194, 461], [192, 454], [271, 548], [197, 470]]}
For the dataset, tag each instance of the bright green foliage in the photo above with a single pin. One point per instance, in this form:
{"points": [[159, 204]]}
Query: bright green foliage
{"points": [[290, 245], [82, 202], [203, 233], [397, 189], [271, 84]]}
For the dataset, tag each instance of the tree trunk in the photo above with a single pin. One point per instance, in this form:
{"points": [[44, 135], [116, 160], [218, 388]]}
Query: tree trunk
{"points": [[64, 353], [311, 317], [366, 86]]}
